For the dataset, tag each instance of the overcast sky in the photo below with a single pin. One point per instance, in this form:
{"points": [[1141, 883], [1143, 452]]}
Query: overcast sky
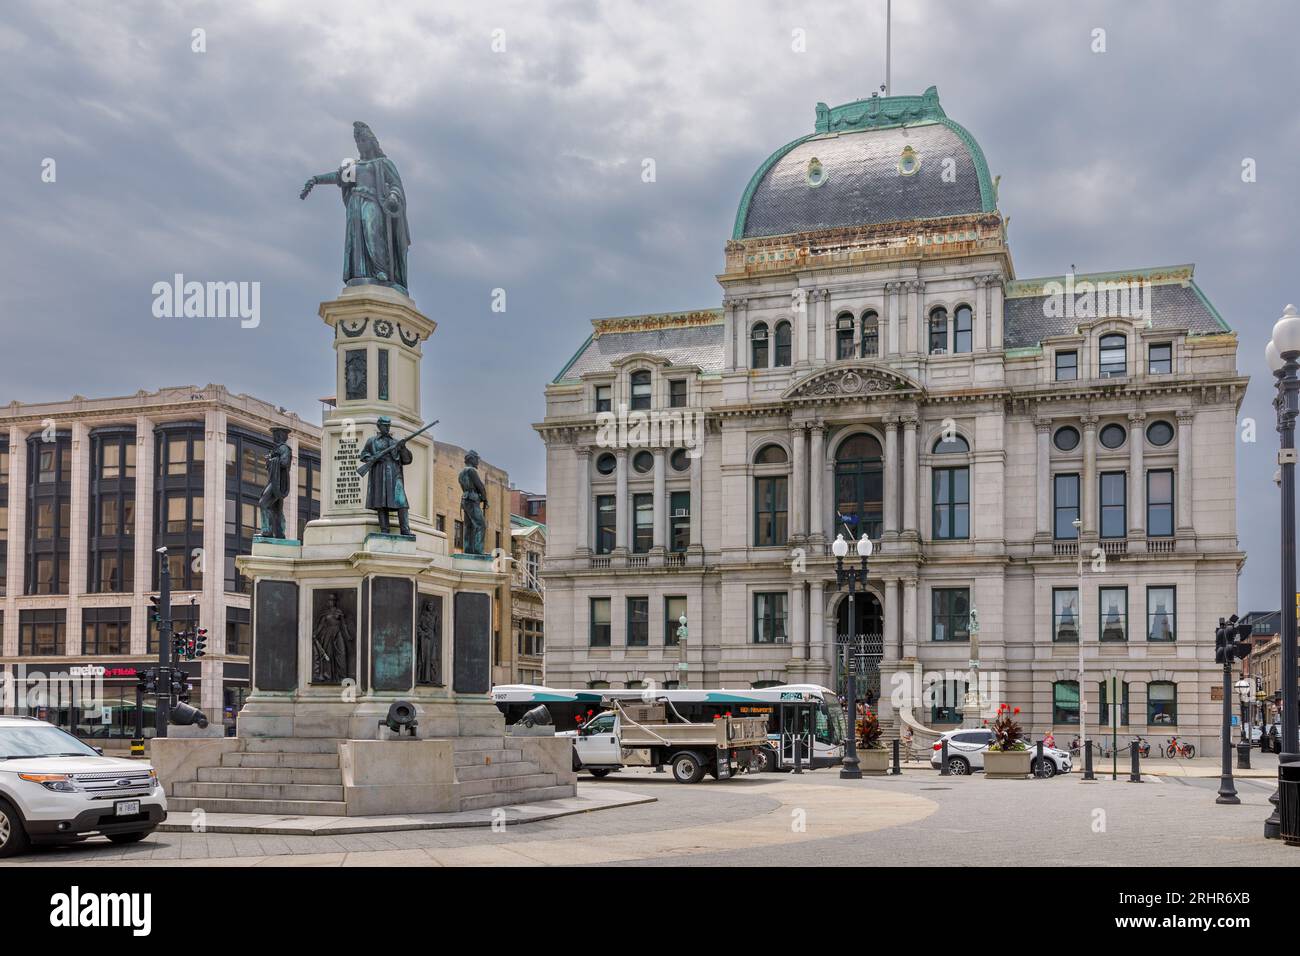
{"points": [[523, 172]]}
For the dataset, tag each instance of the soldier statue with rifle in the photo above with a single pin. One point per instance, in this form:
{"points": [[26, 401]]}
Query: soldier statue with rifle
{"points": [[382, 458]]}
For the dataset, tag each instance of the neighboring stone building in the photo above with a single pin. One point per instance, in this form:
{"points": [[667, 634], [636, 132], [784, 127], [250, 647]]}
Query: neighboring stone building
{"points": [[528, 597], [89, 488], [876, 366], [1265, 662], [448, 462]]}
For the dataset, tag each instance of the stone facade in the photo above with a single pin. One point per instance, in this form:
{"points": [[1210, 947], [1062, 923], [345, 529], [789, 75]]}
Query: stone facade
{"points": [[895, 377], [527, 598]]}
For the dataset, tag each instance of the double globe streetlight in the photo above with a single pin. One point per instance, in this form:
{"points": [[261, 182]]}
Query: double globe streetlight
{"points": [[854, 577], [1283, 356]]}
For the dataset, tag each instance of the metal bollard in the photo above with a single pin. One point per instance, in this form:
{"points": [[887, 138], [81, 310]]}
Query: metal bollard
{"points": [[898, 767], [798, 753], [1087, 762], [1038, 767], [1243, 755], [943, 759], [1135, 771]]}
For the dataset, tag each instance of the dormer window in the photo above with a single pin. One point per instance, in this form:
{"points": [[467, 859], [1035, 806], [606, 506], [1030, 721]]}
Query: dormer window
{"points": [[640, 391], [870, 335], [844, 336], [758, 346], [938, 331], [1113, 356], [782, 357]]}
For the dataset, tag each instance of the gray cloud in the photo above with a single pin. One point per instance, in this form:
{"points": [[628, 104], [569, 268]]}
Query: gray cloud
{"points": [[523, 169]]}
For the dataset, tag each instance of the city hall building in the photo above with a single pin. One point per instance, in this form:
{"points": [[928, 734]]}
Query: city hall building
{"points": [[876, 367]]}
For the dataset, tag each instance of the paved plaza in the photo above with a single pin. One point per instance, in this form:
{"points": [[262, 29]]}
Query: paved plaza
{"points": [[919, 818]]}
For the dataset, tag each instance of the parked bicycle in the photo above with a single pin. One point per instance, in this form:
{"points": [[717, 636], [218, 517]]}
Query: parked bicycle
{"points": [[1177, 749], [1144, 747]]}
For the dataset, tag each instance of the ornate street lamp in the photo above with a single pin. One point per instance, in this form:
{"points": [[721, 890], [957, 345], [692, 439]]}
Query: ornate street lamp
{"points": [[1282, 354], [855, 577]]}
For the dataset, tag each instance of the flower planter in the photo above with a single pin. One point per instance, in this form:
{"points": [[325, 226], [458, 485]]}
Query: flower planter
{"points": [[874, 763], [1012, 765]]}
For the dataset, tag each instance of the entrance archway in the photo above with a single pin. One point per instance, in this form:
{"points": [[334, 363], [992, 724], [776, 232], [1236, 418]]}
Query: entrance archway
{"points": [[869, 643]]}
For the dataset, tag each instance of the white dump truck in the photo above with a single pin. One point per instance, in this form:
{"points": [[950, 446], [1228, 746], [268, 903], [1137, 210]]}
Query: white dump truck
{"points": [[654, 735]]}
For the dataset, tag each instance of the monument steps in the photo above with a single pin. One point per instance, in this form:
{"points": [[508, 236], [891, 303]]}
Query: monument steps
{"points": [[463, 744], [329, 777], [317, 793], [485, 800], [531, 781], [298, 745], [508, 768], [290, 760], [478, 758], [279, 808]]}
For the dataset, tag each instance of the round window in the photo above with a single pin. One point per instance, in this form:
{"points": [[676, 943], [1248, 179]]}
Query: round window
{"points": [[1160, 433], [815, 174], [643, 461], [1066, 439], [908, 162], [1113, 435], [680, 460], [606, 464]]}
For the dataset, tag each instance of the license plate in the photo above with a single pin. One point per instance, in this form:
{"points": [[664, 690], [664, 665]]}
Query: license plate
{"points": [[126, 808]]}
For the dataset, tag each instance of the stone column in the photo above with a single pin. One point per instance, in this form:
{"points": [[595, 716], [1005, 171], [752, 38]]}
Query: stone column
{"points": [[817, 474], [1088, 491], [14, 586], [144, 556], [78, 541], [979, 337], [622, 520], [891, 476], [697, 497], [1136, 475], [816, 620], [1043, 432], [915, 333], [583, 503], [799, 623], [823, 302], [995, 320], [742, 335], [893, 628], [1184, 493], [910, 619], [660, 503], [799, 306], [909, 476], [891, 318], [798, 480], [213, 563], [728, 334]]}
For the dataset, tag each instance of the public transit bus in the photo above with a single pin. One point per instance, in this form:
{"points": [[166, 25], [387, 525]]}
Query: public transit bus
{"points": [[806, 716]]}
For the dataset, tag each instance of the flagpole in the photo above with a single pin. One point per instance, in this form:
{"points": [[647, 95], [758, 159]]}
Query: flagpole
{"points": [[888, 19]]}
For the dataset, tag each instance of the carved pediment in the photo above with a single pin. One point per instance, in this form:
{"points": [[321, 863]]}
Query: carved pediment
{"points": [[851, 380]]}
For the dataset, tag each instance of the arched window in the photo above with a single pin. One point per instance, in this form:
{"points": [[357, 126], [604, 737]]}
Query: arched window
{"points": [[870, 335], [640, 390], [782, 357], [961, 330], [844, 336], [1065, 702], [1162, 703], [938, 331], [859, 486], [771, 497], [758, 346], [950, 492], [1113, 355]]}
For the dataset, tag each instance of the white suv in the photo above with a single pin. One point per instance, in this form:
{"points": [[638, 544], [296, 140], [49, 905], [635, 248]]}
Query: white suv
{"points": [[966, 749], [56, 789]]}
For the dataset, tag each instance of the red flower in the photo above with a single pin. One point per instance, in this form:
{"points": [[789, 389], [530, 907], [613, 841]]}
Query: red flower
{"points": [[1016, 711]]}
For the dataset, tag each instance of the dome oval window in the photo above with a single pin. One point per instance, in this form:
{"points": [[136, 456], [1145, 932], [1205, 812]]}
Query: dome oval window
{"points": [[909, 162]]}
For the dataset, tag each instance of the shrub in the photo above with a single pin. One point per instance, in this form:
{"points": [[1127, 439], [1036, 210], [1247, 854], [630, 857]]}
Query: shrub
{"points": [[1007, 732], [869, 731]]}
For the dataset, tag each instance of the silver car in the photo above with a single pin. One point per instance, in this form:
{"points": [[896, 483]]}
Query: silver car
{"points": [[966, 749]]}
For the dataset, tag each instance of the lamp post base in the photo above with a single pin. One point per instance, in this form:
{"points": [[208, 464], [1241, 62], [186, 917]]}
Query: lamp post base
{"points": [[848, 772]]}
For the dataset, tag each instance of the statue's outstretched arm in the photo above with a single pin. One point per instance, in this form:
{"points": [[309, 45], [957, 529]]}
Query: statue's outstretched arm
{"points": [[324, 179]]}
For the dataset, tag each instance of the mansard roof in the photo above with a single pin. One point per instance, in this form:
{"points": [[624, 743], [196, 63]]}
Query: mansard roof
{"points": [[681, 338], [1037, 309]]}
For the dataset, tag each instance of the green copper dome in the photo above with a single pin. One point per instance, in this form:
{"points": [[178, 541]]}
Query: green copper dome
{"points": [[883, 159]]}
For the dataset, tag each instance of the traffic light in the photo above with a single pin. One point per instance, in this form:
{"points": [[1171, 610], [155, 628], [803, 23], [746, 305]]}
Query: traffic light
{"points": [[181, 688], [199, 642], [1231, 641], [154, 611], [148, 680]]}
